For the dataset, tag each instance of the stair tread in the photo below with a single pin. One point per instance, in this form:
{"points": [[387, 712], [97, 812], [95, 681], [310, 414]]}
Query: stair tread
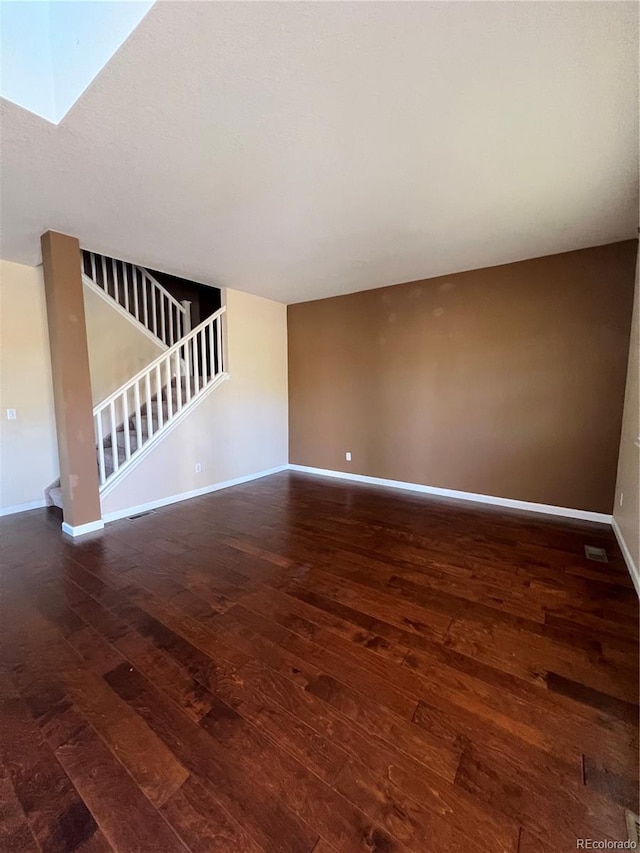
{"points": [[55, 496]]}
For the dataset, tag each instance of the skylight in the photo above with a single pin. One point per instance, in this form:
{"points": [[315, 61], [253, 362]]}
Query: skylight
{"points": [[51, 50]]}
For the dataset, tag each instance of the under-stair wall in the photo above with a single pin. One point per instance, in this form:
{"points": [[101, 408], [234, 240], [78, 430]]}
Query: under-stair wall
{"points": [[118, 348], [237, 432]]}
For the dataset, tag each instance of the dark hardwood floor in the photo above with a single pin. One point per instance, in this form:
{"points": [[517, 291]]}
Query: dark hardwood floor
{"points": [[301, 664]]}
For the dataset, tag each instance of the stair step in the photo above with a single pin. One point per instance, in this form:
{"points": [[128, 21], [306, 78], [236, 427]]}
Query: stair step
{"points": [[133, 438], [55, 496], [108, 459]]}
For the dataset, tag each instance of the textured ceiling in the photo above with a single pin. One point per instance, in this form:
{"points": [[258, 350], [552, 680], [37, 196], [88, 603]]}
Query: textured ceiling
{"points": [[299, 150]]}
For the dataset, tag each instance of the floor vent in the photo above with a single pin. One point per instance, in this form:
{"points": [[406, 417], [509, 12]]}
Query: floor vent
{"points": [[140, 515], [597, 554], [633, 829]]}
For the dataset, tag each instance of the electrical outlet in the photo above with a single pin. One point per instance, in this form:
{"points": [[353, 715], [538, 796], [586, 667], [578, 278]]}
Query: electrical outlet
{"points": [[11, 415], [198, 468], [347, 456], [621, 498]]}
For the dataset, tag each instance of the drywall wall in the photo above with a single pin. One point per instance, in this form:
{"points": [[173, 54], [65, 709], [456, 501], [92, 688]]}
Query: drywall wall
{"points": [[626, 514], [506, 381], [28, 451], [117, 348], [239, 429]]}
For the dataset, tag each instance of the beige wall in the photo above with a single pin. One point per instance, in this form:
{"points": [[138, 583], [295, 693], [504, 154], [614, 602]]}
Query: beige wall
{"points": [[627, 515], [239, 429], [506, 381], [28, 452], [117, 349]]}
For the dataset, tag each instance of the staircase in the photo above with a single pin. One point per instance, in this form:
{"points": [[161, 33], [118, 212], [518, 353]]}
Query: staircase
{"points": [[131, 420], [139, 296], [160, 414]]}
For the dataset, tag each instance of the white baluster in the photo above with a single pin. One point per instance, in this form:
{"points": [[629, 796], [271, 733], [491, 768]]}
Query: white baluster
{"points": [[169, 389], [178, 382], [159, 397], [203, 353], [136, 397], [187, 363], [136, 297], [163, 320], [100, 435], [149, 411], [145, 304], [196, 377], [104, 275], [93, 266], [125, 284], [125, 421], [116, 289], [212, 352], [114, 436], [186, 317], [153, 309], [219, 340]]}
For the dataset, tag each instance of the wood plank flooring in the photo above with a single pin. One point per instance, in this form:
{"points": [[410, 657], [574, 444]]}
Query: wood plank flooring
{"points": [[298, 664]]}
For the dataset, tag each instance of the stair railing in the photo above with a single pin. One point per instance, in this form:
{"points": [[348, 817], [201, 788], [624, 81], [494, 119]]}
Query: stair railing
{"points": [[141, 295], [198, 358]]}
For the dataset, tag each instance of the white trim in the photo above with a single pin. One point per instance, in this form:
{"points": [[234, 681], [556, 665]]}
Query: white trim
{"points": [[510, 503], [185, 496], [154, 281], [159, 436], [11, 510], [159, 361], [626, 553], [81, 529], [123, 312]]}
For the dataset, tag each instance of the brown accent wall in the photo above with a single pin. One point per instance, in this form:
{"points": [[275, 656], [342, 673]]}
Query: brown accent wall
{"points": [[505, 381]]}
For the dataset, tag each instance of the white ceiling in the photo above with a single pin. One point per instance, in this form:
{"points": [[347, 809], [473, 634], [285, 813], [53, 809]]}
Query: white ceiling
{"points": [[299, 150]]}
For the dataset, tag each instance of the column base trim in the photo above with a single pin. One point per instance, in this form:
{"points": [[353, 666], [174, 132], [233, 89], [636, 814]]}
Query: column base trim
{"points": [[81, 529]]}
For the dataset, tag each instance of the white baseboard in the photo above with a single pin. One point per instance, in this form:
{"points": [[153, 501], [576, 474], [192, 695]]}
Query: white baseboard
{"points": [[185, 496], [11, 510], [633, 569], [509, 503], [81, 529]]}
